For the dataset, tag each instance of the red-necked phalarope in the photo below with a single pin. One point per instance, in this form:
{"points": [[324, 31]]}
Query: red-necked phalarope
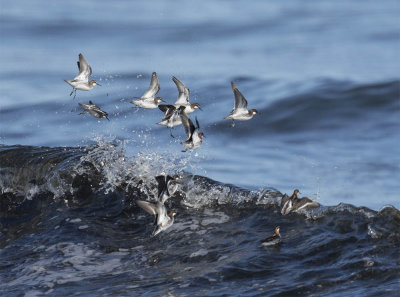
{"points": [[240, 112], [183, 97], [171, 116], [81, 81], [149, 99], [274, 239], [164, 219], [194, 138], [292, 203], [94, 110], [167, 186]]}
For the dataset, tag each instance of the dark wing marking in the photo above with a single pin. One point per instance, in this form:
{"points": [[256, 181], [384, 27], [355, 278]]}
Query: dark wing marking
{"points": [[154, 87], [184, 93], [84, 69], [240, 101], [188, 124], [167, 109]]}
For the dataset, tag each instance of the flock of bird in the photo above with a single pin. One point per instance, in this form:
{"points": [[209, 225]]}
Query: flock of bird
{"points": [[174, 115]]}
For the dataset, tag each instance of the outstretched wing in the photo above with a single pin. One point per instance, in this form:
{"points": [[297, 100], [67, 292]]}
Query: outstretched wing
{"points": [[184, 93], [168, 110], [240, 101], [84, 70], [153, 88], [162, 181], [147, 206], [188, 124]]}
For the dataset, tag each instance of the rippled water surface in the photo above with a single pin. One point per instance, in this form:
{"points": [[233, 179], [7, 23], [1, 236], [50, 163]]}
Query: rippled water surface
{"points": [[324, 77]]}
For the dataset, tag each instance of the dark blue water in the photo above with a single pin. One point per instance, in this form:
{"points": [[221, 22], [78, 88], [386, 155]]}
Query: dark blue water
{"points": [[324, 77]]}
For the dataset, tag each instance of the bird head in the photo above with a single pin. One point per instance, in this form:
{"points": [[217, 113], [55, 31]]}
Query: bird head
{"points": [[196, 106], [94, 83], [277, 230]]}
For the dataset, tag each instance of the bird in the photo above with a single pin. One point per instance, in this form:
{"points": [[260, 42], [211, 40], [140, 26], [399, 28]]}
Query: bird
{"points": [[240, 112], [167, 185], [194, 138], [81, 81], [94, 110], [171, 116], [292, 203], [149, 99], [183, 97], [273, 239], [172, 183], [164, 219]]}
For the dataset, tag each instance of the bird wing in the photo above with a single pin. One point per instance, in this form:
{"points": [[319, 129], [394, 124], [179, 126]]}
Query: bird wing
{"points": [[188, 124], [162, 181], [84, 70], [184, 93], [168, 110], [240, 101], [153, 88], [147, 206]]}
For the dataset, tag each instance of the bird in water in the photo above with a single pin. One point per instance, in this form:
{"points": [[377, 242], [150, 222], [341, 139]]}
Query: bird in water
{"points": [[164, 219], [240, 112], [194, 138], [171, 116], [94, 110], [273, 239], [81, 81], [292, 203], [149, 99]]}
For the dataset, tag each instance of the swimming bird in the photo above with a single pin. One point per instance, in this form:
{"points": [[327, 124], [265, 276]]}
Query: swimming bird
{"points": [[94, 110], [81, 81], [164, 219], [273, 239], [149, 99], [240, 112], [292, 203], [171, 116], [183, 97], [194, 138]]}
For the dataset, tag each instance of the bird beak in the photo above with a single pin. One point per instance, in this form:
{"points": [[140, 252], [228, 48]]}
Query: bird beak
{"points": [[200, 108]]}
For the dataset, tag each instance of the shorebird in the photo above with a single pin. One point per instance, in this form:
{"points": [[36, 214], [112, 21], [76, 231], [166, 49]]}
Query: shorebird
{"points": [[94, 110], [273, 239], [171, 182], [81, 81], [183, 97], [149, 99], [194, 138], [240, 112], [292, 203], [164, 219], [171, 116]]}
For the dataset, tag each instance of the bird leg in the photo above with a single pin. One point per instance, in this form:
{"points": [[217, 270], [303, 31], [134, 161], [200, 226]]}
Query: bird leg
{"points": [[233, 123], [170, 132]]}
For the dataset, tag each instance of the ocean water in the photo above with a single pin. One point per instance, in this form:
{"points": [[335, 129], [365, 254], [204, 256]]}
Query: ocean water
{"points": [[324, 76]]}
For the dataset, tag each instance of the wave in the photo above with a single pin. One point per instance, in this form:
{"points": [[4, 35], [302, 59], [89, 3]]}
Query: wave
{"points": [[72, 175], [332, 105]]}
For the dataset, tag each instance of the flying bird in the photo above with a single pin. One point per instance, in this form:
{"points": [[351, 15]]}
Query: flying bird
{"points": [[149, 99], [81, 81], [240, 112]]}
